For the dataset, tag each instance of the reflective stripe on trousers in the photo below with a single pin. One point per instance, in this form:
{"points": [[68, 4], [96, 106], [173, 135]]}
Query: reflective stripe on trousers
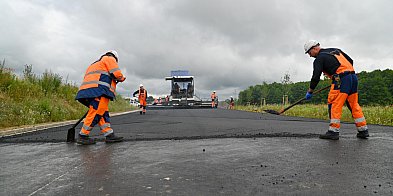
{"points": [[347, 93], [98, 114]]}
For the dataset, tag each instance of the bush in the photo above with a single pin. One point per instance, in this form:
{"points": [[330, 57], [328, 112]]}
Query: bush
{"points": [[33, 99]]}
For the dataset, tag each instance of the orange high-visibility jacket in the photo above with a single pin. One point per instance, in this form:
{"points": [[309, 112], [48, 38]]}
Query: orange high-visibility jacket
{"points": [[142, 94], [100, 79], [213, 96]]}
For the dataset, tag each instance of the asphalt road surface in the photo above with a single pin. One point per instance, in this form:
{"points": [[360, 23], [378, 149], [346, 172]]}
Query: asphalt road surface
{"points": [[201, 152]]}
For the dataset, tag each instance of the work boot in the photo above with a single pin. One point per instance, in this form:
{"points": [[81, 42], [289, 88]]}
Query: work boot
{"points": [[140, 112], [330, 135], [85, 140], [144, 113], [111, 138], [363, 134]]}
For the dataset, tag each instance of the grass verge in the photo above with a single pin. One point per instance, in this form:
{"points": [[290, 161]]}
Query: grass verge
{"points": [[381, 115], [32, 99]]}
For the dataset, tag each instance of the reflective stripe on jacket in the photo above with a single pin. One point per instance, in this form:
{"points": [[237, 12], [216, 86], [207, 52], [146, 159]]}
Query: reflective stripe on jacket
{"points": [[100, 79]]}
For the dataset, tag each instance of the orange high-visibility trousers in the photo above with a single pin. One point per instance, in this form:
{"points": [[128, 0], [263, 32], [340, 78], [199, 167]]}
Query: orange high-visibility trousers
{"points": [[98, 114], [142, 105], [344, 90], [231, 105], [142, 100]]}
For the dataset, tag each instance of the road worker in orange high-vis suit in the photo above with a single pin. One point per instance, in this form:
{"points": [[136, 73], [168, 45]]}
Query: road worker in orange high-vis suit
{"points": [[231, 103], [142, 98], [213, 96], [339, 67], [97, 89]]}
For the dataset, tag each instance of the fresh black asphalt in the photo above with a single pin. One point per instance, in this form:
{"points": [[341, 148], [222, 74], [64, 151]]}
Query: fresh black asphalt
{"points": [[201, 152]]}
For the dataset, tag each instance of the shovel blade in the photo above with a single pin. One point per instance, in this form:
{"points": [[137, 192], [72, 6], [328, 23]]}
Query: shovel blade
{"points": [[272, 112], [71, 135]]}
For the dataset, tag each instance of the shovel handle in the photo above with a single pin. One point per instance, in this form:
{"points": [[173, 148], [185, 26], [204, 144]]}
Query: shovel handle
{"points": [[300, 100], [77, 123]]}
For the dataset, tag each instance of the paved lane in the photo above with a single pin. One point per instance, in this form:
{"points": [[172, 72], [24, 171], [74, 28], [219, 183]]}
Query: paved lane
{"points": [[201, 124], [212, 152]]}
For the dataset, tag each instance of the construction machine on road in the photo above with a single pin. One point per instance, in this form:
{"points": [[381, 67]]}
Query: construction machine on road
{"points": [[183, 91]]}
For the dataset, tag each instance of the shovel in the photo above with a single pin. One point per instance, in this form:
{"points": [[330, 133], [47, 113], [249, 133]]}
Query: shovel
{"points": [[71, 131], [297, 102]]}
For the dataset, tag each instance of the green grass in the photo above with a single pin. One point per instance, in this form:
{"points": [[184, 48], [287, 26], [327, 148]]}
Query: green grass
{"points": [[32, 100], [381, 115]]}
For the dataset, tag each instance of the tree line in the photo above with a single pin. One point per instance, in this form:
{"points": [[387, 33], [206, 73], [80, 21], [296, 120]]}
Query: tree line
{"points": [[375, 88]]}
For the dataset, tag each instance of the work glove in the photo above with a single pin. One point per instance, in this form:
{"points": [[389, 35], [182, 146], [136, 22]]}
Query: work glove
{"points": [[121, 79], [308, 95]]}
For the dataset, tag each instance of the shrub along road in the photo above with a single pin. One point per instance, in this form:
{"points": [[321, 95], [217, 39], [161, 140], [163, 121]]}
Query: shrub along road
{"points": [[201, 152]]}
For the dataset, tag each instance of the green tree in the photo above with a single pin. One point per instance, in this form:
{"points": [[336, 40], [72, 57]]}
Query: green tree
{"points": [[375, 88], [286, 81]]}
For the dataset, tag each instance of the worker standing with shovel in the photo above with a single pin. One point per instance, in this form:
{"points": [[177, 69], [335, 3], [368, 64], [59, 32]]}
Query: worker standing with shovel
{"points": [[339, 67], [97, 89]]}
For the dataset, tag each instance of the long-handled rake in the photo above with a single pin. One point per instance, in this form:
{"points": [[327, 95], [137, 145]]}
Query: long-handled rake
{"points": [[297, 102]]}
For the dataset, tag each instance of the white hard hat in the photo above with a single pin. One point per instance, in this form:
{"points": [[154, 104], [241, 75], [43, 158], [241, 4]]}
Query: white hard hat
{"points": [[114, 53], [214, 91], [309, 44], [141, 85]]}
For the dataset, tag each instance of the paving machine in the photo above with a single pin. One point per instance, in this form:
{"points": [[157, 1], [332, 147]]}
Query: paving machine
{"points": [[182, 91]]}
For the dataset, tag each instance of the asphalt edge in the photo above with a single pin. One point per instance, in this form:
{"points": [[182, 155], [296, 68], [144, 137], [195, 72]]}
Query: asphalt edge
{"points": [[32, 128]]}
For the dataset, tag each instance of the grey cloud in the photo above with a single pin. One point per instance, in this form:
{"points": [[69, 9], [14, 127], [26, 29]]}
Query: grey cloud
{"points": [[226, 45]]}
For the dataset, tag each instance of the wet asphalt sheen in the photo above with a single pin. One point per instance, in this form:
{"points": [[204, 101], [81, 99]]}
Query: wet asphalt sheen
{"points": [[201, 152]]}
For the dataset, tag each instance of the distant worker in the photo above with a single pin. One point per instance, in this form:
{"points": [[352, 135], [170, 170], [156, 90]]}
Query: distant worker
{"points": [[166, 100], [339, 67], [142, 98], [190, 91], [177, 88], [213, 96], [231, 103], [97, 89]]}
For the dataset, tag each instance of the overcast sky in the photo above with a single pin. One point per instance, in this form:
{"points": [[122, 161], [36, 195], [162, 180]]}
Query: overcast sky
{"points": [[227, 45]]}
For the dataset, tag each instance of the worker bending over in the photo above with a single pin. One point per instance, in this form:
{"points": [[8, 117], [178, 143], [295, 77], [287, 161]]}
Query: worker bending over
{"points": [[97, 89], [339, 67], [142, 98]]}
